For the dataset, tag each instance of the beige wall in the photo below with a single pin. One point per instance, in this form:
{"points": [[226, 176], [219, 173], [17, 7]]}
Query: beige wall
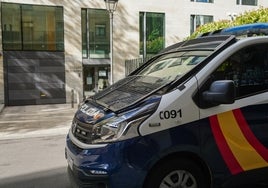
{"points": [[126, 29]]}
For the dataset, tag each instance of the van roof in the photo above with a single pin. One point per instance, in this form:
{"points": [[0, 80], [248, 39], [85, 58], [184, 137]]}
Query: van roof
{"points": [[242, 30], [214, 38], [201, 43]]}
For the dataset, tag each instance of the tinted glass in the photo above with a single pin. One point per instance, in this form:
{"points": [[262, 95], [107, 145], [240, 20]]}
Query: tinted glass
{"points": [[204, 1], [247, 2], [95, 33], [11, 26], [198, 20], [32, 27], [248, 68], [42, 28], [152, 26], [175, 65]]}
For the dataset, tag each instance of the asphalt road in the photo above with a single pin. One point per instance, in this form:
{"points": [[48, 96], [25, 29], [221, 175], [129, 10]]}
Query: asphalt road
{"points": [[54, 178], [33, 163]]}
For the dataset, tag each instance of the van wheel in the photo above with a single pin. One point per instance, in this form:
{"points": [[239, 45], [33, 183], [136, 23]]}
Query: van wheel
{"points": [[179, 173]]}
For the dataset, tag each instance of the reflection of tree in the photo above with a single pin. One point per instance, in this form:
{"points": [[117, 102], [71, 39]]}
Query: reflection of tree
{"points": [[155, 45], [155, 42]]}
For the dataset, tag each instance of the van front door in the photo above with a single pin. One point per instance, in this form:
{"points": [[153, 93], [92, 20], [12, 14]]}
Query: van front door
{"points": [[240, 129]]}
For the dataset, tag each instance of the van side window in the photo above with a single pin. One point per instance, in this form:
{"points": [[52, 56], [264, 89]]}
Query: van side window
{"points": [[248, 68]]}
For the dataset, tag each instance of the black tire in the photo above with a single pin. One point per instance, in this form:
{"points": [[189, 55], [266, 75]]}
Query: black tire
{"points": [[177, 173]]}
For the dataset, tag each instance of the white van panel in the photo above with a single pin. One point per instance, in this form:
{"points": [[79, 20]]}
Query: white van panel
{"points": [[176, 108]]}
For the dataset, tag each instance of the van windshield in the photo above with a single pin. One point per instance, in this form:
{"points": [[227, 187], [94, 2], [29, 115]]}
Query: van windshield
{"points": [[172, 66], [150, 78]]}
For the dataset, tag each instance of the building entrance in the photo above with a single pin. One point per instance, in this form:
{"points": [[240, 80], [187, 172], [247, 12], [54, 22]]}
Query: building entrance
{"points": [[96, 78]]}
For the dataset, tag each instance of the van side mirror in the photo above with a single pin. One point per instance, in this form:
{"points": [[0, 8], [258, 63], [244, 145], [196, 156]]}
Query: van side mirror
{"points": [[220, 92]]}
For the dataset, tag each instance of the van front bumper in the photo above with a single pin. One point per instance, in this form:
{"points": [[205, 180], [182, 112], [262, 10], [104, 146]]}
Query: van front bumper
{"points": [[87, 181], [105, 167]]}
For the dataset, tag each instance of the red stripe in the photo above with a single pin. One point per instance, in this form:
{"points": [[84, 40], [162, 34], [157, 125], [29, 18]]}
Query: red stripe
{"points": [[249, 135], [226, 152]]}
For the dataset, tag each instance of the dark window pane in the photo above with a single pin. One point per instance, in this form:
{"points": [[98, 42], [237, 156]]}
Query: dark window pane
{"points": [[11, 26], [198, 20], [247, 2], [99, 33], [248, 68], [42, 28], [84, 33], [95, 33], [33, 27], [152, 27], [142, 33], [204, 1]]}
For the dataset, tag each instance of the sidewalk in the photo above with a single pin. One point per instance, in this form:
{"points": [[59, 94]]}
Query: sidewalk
{"points": [[35, 120]]}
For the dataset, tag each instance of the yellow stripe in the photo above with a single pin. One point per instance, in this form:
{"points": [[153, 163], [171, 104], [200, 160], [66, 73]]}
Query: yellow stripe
{"points": [[243, 151]]}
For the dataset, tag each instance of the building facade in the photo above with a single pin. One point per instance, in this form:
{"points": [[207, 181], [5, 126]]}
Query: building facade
{"points": [[59, 51]]}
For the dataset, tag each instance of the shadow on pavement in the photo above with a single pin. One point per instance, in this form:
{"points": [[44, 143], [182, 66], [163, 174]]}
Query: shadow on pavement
{"points": [[56, 178], [29, 121]]}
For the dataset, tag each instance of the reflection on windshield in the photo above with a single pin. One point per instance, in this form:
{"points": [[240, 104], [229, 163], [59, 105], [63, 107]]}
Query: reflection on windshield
{"points": [[174, 65]]}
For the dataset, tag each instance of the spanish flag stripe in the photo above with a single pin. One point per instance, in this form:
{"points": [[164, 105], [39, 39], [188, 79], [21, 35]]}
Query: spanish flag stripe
{"points": [[251, 138], [243, 151], [225, 151]]}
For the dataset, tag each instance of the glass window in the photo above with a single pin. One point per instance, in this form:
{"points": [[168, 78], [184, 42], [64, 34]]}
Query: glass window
{"points": [[32, 27], [152, 26], [84, 33], [174, 65], [247, 2], [248, 68], [95, 33], [11, 27], [198, 20], [204, 1]]}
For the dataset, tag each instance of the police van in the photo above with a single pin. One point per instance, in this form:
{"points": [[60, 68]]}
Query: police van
{"points": [[193, 116]]}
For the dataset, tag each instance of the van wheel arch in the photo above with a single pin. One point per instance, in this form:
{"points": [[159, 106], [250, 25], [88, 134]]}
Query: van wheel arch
{"points": [[178, 159]]}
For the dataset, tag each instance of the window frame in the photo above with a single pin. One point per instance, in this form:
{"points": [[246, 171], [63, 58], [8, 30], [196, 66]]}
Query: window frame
{"points": [[47, 44]]}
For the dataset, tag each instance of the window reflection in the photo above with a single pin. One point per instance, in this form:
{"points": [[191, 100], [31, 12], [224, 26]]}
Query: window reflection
{"points": [[152, 38], [95, 34], [198, 20], [32, 27], [247, 2]]}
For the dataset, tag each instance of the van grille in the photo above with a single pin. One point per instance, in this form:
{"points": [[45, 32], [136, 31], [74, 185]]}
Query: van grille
{"points": [[82, 131]]}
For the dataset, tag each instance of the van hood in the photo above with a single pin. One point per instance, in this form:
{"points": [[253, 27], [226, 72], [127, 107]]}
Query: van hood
{"points": [[128, 91], [98, 119]]}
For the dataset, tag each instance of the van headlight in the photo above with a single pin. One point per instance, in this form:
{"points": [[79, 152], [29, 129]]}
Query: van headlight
{"points": [[123, 126], [116, 129]]}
